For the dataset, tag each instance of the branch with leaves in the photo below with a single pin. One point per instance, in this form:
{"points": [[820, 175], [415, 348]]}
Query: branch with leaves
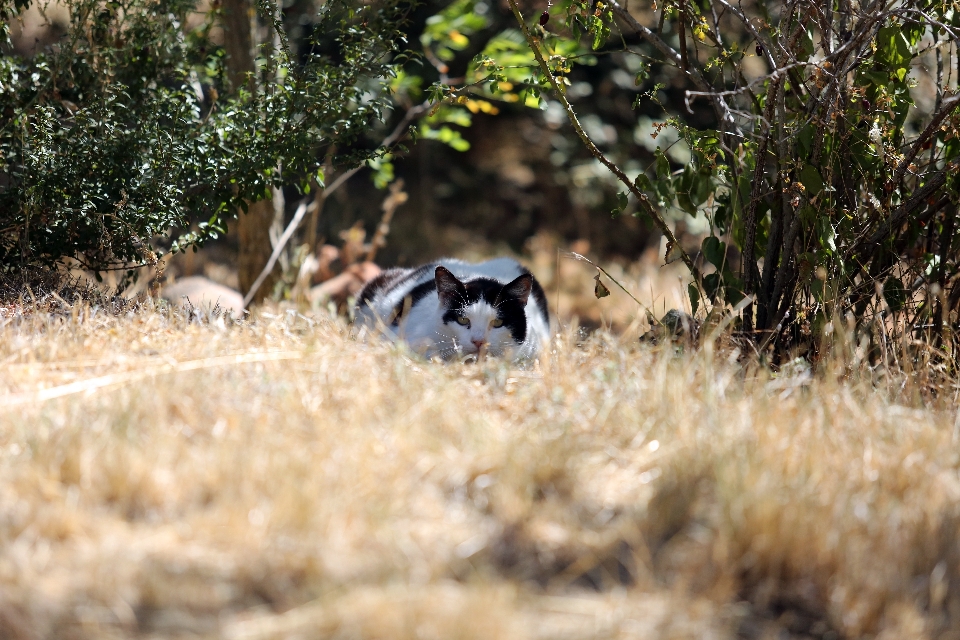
{"points": [[324, 192], [641, 197], [809, 182]]}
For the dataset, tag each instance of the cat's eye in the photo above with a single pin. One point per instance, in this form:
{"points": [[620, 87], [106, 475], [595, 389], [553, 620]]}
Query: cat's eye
{"points": [[462, 320], [497, 323]]}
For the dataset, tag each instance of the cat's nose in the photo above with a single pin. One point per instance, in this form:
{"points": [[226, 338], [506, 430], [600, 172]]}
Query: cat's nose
{"points": [[478, 344]]}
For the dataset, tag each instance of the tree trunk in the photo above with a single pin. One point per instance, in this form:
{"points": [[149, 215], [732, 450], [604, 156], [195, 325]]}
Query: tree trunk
{"points": [[239, 25], [253, 228]]}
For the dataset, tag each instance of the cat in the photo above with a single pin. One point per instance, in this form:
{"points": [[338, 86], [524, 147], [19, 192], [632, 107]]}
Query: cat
{"points": [[452, 309]]}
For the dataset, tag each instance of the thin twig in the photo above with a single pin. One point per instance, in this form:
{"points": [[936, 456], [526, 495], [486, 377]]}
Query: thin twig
{"points": [[581, 258], [277, 250], [682, 34], [722, 109], [641, 197], [311, 232], [389, 141], [901, 213], [396, 198], [750, 223], [948, 105]]}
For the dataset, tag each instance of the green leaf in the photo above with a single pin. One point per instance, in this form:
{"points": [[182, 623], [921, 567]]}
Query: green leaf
{"points": [[807, 46], [894, 293], [683, 199], [382, 171], [642, 182], [683, 184], [714, 251], [694, 294], [662, 165], [449, 31], [913, 32], [805, 139], [819, 290], [876, 78], [893, 50], [447, 114], [665, 189], [811, 179], [445, 135], [732, 288], [711, 285], [701, 187], [721, 218], [826, 232]]}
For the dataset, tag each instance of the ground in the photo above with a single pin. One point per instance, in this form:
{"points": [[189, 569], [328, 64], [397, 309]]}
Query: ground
{"points": [[167, 475]]}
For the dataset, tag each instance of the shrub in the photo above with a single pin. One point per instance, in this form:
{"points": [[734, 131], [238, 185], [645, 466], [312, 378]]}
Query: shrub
{"points": [[827, 189], [120, 134]]}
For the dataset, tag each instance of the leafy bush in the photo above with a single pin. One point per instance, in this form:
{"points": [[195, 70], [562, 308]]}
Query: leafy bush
{"points": [[122, 133], [828, 189]]}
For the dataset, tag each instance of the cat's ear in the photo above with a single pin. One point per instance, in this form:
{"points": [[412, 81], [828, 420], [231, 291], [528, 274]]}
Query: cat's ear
{"points": [[449, 289], [518, 289]]}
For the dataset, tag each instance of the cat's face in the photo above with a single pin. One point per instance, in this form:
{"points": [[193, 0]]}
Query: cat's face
{"points": [[481, 316]]}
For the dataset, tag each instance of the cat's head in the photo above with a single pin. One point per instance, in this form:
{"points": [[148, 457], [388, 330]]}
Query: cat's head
{"points": [[481, 315]]}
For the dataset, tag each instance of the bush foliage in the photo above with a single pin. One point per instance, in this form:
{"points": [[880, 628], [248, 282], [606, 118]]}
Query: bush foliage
{"points": [[838, 194], [829, 188], [126, 129]]}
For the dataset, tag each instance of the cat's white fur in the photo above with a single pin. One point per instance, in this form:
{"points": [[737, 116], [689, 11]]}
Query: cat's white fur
{"points": [[423, 329]]}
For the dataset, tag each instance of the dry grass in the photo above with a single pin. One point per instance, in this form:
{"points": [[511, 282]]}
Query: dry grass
{"points": [[165, 477]]}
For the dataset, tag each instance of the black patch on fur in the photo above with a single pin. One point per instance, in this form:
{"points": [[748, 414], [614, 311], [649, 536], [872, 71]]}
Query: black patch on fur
{"points": [[539, 296], [449, 289], [518, 288], [509, 308], [383, 281], [387, 281], [541, 299], [416, 294]]}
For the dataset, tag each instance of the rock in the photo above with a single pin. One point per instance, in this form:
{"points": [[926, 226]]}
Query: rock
{"points": [[203, 294], [676, 326]]}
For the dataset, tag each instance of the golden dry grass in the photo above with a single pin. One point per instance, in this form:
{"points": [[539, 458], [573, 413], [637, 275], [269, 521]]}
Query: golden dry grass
{"points": [[162, 477]]}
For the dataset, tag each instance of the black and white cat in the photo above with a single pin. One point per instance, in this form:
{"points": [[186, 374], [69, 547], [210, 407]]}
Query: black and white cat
{"points": [[453, 309]]}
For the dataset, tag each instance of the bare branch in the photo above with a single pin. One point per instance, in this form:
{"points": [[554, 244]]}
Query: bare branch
{"points": [[724, 113], [901, 213], [948, 105], [750, 223], [323, 194]]}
